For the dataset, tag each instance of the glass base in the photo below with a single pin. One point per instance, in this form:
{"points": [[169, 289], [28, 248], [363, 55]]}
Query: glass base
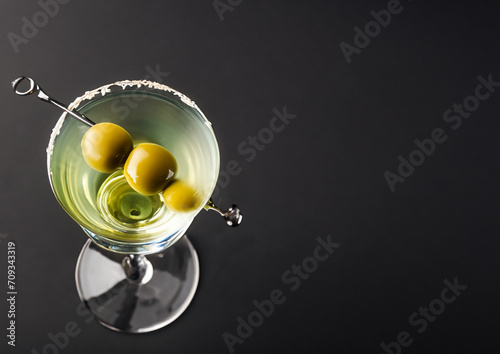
{"points": [[137, 300]]}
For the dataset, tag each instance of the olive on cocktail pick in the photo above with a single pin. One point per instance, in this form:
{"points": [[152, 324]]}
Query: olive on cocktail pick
{"points": [[106, 146], [232, 216], [180, 197], [149, 168]]}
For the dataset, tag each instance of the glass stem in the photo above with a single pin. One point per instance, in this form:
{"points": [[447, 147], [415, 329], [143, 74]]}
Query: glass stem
{"points": [[137, 268]]}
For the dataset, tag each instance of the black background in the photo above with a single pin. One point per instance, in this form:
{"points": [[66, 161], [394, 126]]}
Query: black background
{"points": [[322, 175]]}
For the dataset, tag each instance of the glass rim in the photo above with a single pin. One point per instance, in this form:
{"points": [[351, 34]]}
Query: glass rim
{"points": [[131, 85], [105, 89]]}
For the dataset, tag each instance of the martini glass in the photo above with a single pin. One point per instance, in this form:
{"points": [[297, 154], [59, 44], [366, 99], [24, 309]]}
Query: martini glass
{"points": [[138, 271]]}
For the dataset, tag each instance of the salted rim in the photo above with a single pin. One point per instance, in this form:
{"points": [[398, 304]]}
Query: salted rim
{"points": [[103, 90]]}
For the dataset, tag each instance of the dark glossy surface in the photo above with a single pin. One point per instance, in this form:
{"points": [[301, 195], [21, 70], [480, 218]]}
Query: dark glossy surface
{"points": [[339, 127]]}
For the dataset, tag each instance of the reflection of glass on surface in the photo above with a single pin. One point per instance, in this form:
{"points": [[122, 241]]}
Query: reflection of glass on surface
{"points": [[132, 307]]}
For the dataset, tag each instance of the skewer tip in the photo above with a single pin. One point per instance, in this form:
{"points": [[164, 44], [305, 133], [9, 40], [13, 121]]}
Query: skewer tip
{"points": [[17, 82]]}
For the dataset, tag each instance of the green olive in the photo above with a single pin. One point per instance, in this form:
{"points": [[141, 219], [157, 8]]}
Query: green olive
{"points": [[149, 168], [181, 197], [105, 147]]}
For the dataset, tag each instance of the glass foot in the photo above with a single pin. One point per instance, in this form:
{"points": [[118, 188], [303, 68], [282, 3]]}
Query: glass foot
{"points": [[132, 300]]}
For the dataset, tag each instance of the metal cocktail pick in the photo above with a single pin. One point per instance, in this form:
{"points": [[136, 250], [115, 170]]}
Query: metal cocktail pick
{"points": [[232, 216], [44, 97]]}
